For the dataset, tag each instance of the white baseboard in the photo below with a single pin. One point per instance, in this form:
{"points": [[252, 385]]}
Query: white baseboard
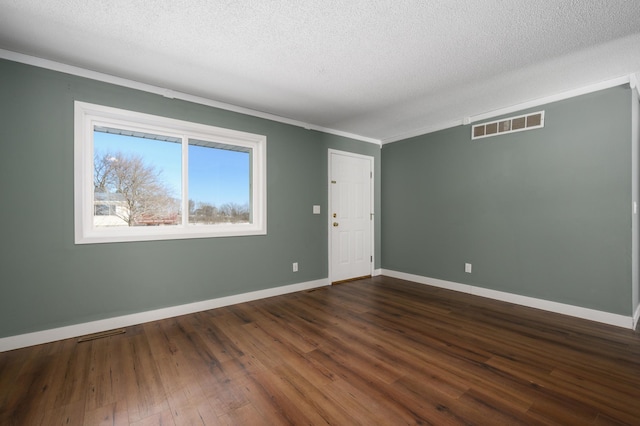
{"points": [[636, 317], [377, 272], [546, 305], [51, 335]]}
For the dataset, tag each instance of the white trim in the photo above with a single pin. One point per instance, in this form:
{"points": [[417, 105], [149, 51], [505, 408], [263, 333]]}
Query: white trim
{"points": [[517, 107], [634, 83], [51, 335], [377, 272], [607, 84], [425, 130], [546, 305], [170, 94], [635, 196], [372, 162], [636, 317]]}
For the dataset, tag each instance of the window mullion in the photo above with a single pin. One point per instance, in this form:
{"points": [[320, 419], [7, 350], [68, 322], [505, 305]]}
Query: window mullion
{"points": [[185, 180]]}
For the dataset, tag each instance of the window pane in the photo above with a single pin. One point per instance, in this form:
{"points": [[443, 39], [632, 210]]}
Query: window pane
{"points": [[137, 178], [219, 183]]}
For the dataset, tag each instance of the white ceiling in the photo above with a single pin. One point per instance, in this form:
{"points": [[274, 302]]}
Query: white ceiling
{"points": [[375, 68]]}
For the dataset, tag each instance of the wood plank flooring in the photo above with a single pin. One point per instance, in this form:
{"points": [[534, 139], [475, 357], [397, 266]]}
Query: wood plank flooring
{"points": [[375, 351]]}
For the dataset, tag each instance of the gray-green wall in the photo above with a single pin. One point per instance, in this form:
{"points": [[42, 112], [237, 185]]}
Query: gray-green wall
{"points": [[543, 213], [46, 281]]}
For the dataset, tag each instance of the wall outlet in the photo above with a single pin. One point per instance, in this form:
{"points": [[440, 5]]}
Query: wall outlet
{"points": [[467, 268], [295, 266]]}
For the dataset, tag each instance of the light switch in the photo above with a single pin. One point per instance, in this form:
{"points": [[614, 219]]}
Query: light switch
{"points": [[316, 209]]}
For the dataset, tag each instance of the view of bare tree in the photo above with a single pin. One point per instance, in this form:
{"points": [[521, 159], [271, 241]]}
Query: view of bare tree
{"points": [[233, 212], [207, 213], [147, 199]]}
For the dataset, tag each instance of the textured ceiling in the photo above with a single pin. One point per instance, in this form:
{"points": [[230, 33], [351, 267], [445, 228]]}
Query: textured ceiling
{"points": [[374, 68]]}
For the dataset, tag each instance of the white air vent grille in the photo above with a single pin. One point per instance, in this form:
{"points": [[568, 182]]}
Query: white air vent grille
{"points": [[508, 125]]}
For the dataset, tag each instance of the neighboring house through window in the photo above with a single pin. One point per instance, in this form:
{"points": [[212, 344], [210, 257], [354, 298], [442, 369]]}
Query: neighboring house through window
{"points": [[109, 209]]}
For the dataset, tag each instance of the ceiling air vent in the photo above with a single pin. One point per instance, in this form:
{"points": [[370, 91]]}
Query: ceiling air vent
{"points": [[509, 125]]}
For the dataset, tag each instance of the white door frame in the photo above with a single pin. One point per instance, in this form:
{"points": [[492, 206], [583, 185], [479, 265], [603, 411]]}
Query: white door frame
{"points": [[329, 210]]}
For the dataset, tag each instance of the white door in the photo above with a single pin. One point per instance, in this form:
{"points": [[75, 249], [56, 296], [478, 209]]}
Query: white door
{"points": [[350, 215]]}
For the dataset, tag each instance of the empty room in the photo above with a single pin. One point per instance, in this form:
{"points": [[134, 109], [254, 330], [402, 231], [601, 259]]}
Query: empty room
{"points": [[288, 213]]}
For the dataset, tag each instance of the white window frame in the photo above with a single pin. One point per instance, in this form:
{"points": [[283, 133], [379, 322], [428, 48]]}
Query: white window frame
{"points": [[87, 116]]}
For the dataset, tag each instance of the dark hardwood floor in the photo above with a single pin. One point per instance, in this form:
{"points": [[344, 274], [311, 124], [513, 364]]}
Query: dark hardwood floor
{"points": [[375, 351]]}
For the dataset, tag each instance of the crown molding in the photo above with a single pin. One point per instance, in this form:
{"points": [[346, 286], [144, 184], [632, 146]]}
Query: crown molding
{"points": [[632, 79], [169, 93]]}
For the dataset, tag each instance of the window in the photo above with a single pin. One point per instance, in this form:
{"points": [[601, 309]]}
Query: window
{"points": [[141, 177]]}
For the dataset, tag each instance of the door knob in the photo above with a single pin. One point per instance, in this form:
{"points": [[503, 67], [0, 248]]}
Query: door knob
{"points": [[335, 223]]}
